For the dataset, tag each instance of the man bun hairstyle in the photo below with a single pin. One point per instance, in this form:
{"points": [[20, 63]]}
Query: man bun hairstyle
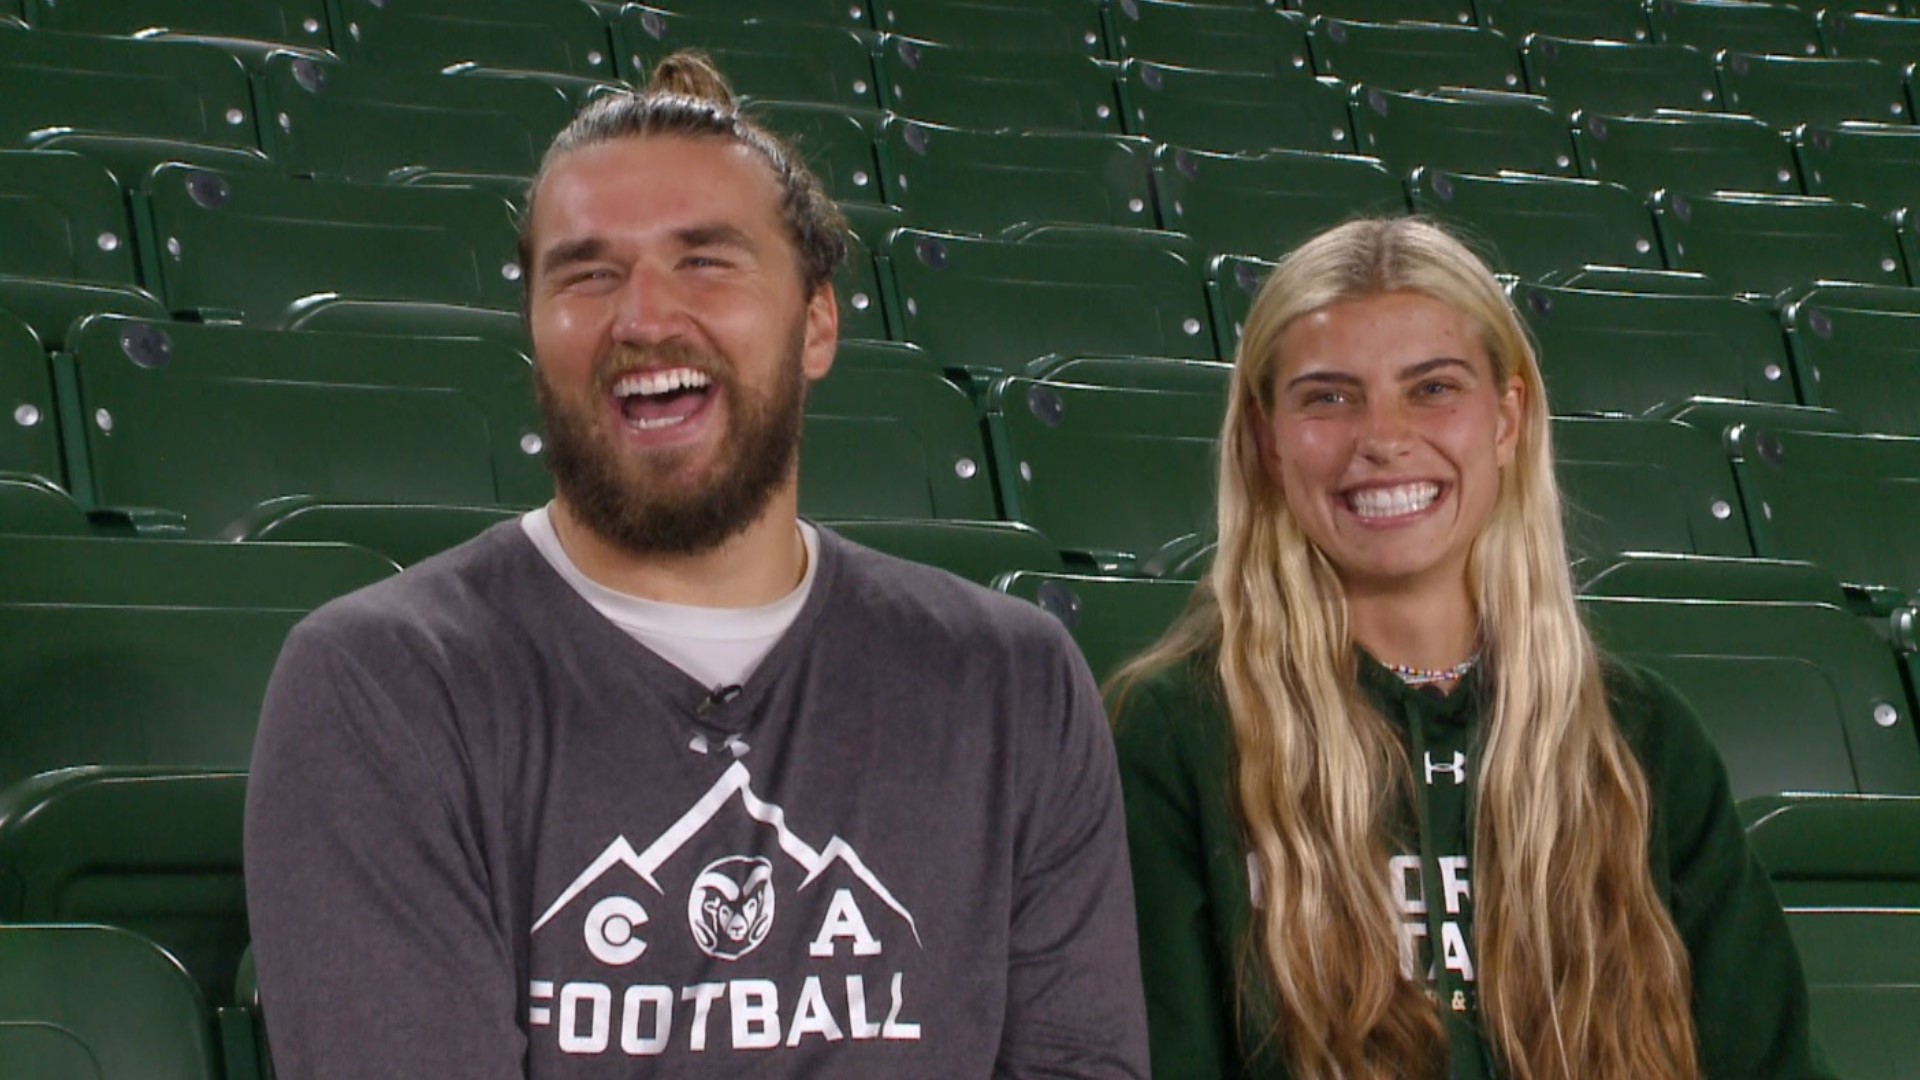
{"points": [[687, 97]]}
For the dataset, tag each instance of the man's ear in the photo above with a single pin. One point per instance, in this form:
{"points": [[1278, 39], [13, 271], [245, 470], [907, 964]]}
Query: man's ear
{"points": [[822, 336]]}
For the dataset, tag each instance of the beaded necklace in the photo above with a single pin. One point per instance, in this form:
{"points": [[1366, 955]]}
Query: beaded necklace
{"points": [[1414, 676]]}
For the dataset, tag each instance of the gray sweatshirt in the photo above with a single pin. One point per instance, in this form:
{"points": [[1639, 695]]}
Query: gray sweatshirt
{"points": [[489, 835]]}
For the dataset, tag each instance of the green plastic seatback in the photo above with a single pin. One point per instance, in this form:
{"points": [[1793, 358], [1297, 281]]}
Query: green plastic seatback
{"points": [[1608, 20], [407, 533], [996, 89], [1767, 243], [1210, 37], [1619, 79], [1789, 90], [1646, 485], [1713, 577], [1234, 112], [857, 293], [1748, 27], [1265, 205], [1866, 364], [30, 506], [64, 218], [980, 551], [836, 143], [182, 91], [1062, 449], [899, 443], [1111, 618], [301, 23], [1482, 133], [1063, 27], [1530, 226], [252, 248], [1412, 56], [829, 65], [1441, 12], [1686, 152], [1232, 283], [957, 180], [373, 124], [154, 851], [561, 36], [97, 1003], [1866, 35], [214, 421], [1608, 352], [1796, 697], [848, 14], [29, 437], [1874, 164], [1134, 373], [50, 308]]}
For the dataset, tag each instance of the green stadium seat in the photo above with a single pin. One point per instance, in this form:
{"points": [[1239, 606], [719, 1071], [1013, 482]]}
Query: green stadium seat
{"points": [[1232, 283], [50, 308], [1061, 448], [154, 851], [1265, 205], [1789, 90], [785, 61], [29, 435], [64, 218], [1646, 485], [97, 1003], [1623, 279], [837, 143], [300, 23], [1481, 133], [256, 249], [406, 533], [858, 295], [1667, 576], [1685, 151], [957, 180], [996, 90], [980, 551], [565, 37], [131, 157], [1617, 79], [897, 443], [1410, 56], [1608, 20], [31, 506], [1111, 618], [1135, 373], [1740, 25], [1608, 352], [1234, 112], [1864, 35], [174, 90], [1533, 225], [1768, 243], [1874, 164], [1835, 294], [1208, 37], [849, 14], [214, 421], [1796, 697], [1864, 364], [1056, 26], [1440, 12], [374, 124]]}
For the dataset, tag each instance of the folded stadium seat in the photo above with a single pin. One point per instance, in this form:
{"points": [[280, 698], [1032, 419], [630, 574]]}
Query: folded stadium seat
{"points": [[847, 14], [1796, 696], [1685, 151], [1062, 27], [1618, 79], [980, 551], [217, 422], [1609, 352], [50, 308], [857, 292], [1768, 243], [1740, 25], [1267, 204], [1847, 875], [1864, 364], [155, 851], [893, 444], [96, 1003], [996, 90], [1533, 225], [1874, 164], [1786, 90], [31, 506], [261, 249], [406, 534], [1208, 37], [830, 65], [1111, 618], [1441, 12], [1412, 56], [1608, 20], [1626, 280], [175, 90], [1061, 448], [1234, 112], [955, 180], [372, 124], [1097, 295], [299, 23], [1839, 294], [1480, 132], [565, 37], [1863, 35], [837, 143], [1646, 485], [29, 436], [1232, 283], [1668, 576], [64, 218], [1134, 373]]}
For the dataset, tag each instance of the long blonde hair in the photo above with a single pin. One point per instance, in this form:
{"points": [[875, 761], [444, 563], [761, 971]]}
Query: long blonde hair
{"points": [[1581, 972]]}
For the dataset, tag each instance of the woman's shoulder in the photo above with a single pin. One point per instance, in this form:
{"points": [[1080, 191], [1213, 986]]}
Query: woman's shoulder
{"points": [[1174, 709]]}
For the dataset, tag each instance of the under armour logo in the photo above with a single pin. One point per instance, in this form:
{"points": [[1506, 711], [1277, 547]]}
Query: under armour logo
{"points": [[1458, 769]]}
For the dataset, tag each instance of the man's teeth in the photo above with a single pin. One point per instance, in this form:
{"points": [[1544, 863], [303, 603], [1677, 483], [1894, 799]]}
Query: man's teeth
{"points": [[1393, 501], [657, 422], [665, 381]]}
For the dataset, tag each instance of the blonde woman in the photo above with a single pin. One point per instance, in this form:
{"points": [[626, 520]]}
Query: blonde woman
{"points": [[1390, 813]]}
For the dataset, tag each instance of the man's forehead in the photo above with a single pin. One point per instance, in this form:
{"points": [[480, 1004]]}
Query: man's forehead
{"points": [[652, 176]]}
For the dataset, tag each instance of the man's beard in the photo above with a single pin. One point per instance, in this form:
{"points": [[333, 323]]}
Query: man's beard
{"points": [[637, 501]]}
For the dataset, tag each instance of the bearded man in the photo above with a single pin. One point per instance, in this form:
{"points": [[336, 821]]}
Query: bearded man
{"points": [[661, 779]]}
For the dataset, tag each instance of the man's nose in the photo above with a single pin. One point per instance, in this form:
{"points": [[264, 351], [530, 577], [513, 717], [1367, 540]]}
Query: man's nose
{"points": [[652, 308]]}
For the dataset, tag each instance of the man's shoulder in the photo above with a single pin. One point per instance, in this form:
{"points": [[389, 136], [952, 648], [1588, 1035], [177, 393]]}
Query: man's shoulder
{"points": [[912, 596]]}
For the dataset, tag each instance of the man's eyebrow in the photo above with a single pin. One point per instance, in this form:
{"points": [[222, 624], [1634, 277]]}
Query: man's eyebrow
{"points": [[718, 234], [585, 249]]}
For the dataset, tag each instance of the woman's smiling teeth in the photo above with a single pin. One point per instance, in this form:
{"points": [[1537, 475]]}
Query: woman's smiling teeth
{"points": [[1397, 501]]}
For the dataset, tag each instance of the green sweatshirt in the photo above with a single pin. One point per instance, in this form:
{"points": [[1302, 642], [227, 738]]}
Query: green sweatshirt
{"points": [[1193, 890]]}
